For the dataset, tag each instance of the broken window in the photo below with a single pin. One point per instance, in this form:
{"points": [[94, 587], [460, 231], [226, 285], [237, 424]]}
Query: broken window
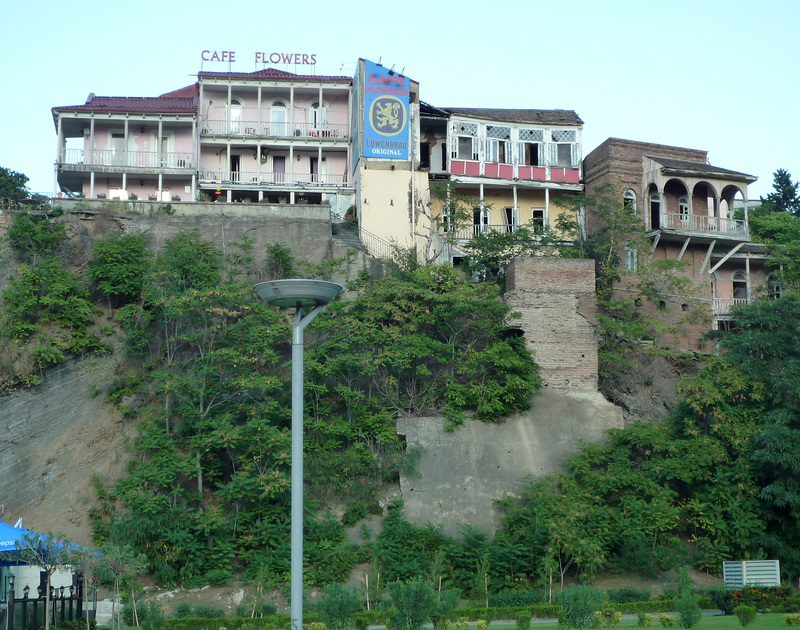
{"points": [[683, 208], [466, 147], [537, 218], [497, 144], [564, 150], [532, 143]]}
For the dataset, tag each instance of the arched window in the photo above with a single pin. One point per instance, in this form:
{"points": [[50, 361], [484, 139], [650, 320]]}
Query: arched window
{"points": [[235, 115], [318, 111], [741, 290], [655, 210], [774, 287], [277, 117], [683, 208], [629, 201]]}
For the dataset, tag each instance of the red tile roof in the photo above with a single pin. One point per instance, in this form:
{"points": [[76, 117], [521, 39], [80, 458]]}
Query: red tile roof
{"points": [[139, 104], [546, 116]]}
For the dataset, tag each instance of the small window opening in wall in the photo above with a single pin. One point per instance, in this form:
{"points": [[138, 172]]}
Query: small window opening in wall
{"points": [[662, 304], [684, 307], [444, 156], [638, 302]]}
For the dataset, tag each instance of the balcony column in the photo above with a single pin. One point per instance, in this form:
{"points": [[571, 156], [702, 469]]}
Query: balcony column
{"points": [[547, 207], [91, 141], [258, 118], [125, 132], [228, 110], [747, 276], [91, 185], [60, 143], [291, 111]]}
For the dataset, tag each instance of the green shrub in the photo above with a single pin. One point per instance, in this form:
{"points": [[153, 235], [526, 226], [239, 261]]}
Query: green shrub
{"points": [[579, 604], [665, 620], [523, 621], [745, 614], [644, 620], [722, 598], [792, 619], [762, 597], [205, 611], [183, 610], [338, 607]]}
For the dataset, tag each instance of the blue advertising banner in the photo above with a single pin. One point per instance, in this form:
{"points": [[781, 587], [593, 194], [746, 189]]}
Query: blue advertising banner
{"points": [[385, 113]]}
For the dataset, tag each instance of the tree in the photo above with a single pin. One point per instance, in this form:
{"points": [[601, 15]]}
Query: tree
{"points": [[767, 349], [33, 236], [119, 264], [49, 552], [415, 603], [784, 196], [119, 566], [12, 185], [338, 606]]}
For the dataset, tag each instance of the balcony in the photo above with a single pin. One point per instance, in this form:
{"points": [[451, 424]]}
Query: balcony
{"points": [[473, 168], [267, 178], [254, 130], [113, 160], [704, 225], [468, 233], [723, 306]]}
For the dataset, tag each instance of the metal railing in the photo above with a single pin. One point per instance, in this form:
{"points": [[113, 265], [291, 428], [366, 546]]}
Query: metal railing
{"points": [[255, 129], [700, 223], [135, 159], [267, 177]]}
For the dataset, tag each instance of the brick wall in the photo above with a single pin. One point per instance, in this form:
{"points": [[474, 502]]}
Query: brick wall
{"points": [[558, 306]]}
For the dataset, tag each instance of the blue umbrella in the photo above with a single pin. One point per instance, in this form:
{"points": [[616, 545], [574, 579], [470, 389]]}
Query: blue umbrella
{"points": [[10, 536]]}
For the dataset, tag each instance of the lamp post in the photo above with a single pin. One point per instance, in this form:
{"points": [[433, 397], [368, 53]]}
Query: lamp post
{"points": [[312, 295]]}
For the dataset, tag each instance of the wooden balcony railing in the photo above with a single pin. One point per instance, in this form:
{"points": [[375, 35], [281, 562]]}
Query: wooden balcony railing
{"points": [[700, 223], [268, 178], [123, 159], [254, 129]]}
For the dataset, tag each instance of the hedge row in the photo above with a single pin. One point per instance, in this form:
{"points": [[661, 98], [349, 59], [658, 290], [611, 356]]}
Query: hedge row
{"points": [[379, 617]]}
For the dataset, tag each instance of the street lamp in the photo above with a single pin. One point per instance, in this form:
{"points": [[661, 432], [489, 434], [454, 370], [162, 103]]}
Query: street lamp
{"points": [[312, 295]]}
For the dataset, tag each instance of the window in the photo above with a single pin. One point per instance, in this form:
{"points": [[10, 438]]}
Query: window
{"points": [[774, 288], [537, 218], [480, 220], [424, 155], [532, 147], [631, 259], [564, 150], [466, 136], [234, 115], [278, 118], [629, 201], [467, 149], [510, 218], [741, 291], [497, 144], [683, 208], [318, 113]]}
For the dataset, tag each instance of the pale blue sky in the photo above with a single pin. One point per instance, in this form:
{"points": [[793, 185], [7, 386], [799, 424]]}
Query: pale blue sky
{"points": [[719, 75]]}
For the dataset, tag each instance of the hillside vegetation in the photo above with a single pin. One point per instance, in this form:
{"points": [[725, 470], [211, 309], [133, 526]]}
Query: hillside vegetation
{"points": [[203, 374]]}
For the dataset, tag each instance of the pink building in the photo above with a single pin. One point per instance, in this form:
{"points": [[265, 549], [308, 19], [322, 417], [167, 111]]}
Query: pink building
{"points": [[267, 136]]}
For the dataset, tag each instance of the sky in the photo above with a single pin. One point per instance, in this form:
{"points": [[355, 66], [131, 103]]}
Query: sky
{"points": [[717, 75]]}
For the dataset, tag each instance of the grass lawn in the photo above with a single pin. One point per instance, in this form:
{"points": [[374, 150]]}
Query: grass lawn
{"points": [[767, 621]]}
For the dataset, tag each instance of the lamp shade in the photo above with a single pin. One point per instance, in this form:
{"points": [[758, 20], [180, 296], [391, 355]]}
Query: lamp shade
{"points": [[300, 293]]}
